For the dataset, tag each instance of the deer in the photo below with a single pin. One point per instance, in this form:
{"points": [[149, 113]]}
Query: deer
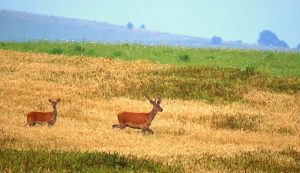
{"points": [[139, 120], [43, 117]]}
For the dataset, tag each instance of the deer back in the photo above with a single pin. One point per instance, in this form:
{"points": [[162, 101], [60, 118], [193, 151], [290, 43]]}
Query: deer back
{"points": [[133, 117], [39, 116]]}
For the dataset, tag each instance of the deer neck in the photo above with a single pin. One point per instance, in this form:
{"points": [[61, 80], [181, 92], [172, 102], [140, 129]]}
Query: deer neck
{"points": [[153, 114], [54, 114]]}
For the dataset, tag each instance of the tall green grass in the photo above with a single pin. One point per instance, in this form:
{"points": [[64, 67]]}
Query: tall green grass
{"points": [[270, 62], [287, 160], [71, 161]]}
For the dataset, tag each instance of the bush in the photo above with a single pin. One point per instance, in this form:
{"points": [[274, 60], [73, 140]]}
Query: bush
{"points": [[78, 48], [56, 50], [184, 58], [249, 69], [3, 44]]}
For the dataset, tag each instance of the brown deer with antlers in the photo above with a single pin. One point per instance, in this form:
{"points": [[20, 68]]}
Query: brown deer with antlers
{"points": [[139, 120]]}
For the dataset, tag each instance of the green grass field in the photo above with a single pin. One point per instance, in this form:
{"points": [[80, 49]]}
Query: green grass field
{"points": [[271, 62]]}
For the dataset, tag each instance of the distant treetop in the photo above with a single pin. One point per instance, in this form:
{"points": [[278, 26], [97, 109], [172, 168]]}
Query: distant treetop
{"points": [[129, 25], [298, 47], [142, 26], [268, 38], [216, 40]]}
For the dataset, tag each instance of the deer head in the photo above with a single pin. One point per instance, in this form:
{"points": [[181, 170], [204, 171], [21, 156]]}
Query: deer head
{"points": [[155, 103], [54, 103]]}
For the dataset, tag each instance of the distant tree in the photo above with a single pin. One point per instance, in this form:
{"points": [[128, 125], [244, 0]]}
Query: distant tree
{"points": [[216, 40], [142, 26], [298, 47], [239, 41], [129, 25], [268, 38], [282, 43]]}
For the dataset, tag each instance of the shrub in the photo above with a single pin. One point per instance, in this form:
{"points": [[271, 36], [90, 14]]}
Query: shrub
{"points": [[3, 44], [56, 50], [184, 58], [249, 69], [78, 48]]}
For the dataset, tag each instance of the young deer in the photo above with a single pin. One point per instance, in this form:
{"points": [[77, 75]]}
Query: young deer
{"points": [[139, 120], [43, 117]]}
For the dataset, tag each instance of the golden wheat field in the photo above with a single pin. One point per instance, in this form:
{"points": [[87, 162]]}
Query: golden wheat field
{"points": [[185, 131]]}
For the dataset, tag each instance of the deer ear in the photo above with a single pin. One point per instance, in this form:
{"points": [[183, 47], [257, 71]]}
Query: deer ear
{"points": [[58, 100], [152, 102], [50, 100], [159, 101]]}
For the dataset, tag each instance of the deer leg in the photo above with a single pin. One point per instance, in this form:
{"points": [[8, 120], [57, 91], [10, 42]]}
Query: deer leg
{"points": [[122, 126], [50, 124], [144, 130], [150, 131], [115, 126], [31, 124]]}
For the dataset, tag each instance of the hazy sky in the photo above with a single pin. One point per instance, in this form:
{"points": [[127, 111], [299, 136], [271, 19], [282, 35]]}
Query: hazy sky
{"points": [[230, 19]]}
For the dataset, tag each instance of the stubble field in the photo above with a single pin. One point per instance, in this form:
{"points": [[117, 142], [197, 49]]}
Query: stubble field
{"points": [[219, 127]]}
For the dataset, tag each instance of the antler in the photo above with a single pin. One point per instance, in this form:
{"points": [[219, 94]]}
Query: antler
{"points": [[158, 100], [151, 101], [146, 95]]}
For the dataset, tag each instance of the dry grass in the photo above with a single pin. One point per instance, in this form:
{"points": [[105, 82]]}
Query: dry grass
{"points": [[185, 130]]}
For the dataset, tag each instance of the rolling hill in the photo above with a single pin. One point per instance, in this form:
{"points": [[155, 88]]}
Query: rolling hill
{"points": [[23, 26]]}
